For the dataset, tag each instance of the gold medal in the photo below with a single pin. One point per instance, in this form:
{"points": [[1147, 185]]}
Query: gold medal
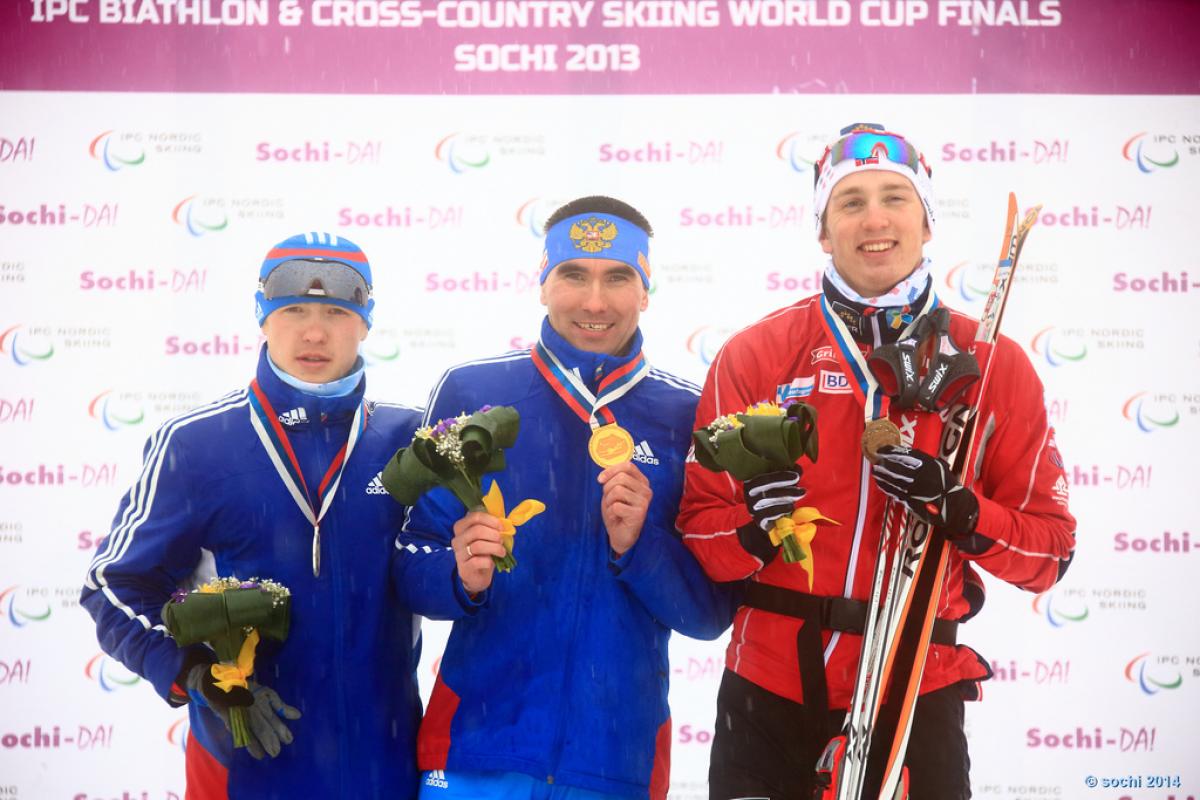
{"points": [[610, 445], [878, 433]]}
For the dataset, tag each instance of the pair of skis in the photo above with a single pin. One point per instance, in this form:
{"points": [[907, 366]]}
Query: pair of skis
{"points": [[866, 762]]}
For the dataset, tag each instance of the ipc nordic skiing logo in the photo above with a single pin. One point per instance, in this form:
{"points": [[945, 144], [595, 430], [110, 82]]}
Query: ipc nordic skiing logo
{"points": [[1138, 150], [1057, 348], [110, 675], [705, 341], [792, 147], [965, 280], [1059, 613], [24, 347], [534, 212], [462, 153], [115, 412], [114, 153], [1149, 413], [20, 611], [380, 348], [1151, 676], [177, 733], [198, 216]]}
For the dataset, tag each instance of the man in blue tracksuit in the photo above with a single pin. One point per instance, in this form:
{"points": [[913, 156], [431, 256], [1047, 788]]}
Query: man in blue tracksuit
{"points": [[279, 480], [554, 680]]}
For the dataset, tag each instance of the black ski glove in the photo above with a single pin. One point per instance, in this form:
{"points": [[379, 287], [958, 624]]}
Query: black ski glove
{"points": [[265, 711], [927, 486], [768, 497]]}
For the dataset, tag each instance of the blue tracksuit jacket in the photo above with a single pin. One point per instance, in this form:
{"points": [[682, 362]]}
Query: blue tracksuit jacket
{"points": [[560, 669], [209, 500]]}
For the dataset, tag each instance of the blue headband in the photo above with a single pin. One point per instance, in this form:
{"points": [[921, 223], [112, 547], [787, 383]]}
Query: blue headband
{"points": [[597, 236]]}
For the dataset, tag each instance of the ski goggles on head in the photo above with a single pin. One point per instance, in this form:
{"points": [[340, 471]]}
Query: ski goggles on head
{"points": [[865, 146], [329, 280]]}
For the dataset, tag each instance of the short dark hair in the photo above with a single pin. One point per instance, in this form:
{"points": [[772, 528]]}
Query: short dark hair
{"points": [[599, 204]]}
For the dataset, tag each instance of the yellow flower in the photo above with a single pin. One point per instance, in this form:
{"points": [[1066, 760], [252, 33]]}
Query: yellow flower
{"points": [[802, 527], [764, 409], [526, 510]]}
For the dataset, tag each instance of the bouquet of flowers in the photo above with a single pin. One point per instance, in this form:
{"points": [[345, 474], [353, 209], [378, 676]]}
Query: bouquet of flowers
{"points": [[230, 616], [767, 438], [456, 453]]}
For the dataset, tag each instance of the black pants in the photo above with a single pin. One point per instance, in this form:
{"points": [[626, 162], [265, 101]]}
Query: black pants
{"points": [[766, 746]]}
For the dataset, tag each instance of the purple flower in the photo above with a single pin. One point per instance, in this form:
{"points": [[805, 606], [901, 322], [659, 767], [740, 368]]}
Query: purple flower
{"points": [[248, 585], [179, 595], [486, 408]]}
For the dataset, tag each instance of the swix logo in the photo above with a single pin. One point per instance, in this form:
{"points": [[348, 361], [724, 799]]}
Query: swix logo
{"points": [[1058, 348], [1119, 217], [1060, 609], [324, 152], [1168, 543], [117, 150], [1163, 283], [108, 674], [1152, 674], [1151, 412], [21, 608], [25, 346], [19, 149], [463, 152], [45, 215], [177, 733], [747, 216], [381, 347], [427, 218], [376, 485], [793, 147], [533, 213], [478, 282], [689, 152], [116, 411], [833, 382], [296, 416], [200, 216], [1152, 153], [1126, 740], [643, 454], [706, 341], [994, 152], [436, 779]]}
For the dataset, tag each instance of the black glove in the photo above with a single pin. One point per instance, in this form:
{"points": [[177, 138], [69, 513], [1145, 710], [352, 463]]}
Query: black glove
{"points": [[927, 486], [768, 497], [264, 710]]}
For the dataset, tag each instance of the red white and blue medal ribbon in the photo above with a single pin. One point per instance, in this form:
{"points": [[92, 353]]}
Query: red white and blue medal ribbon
{"points": [[567, 384], [279, 449]]}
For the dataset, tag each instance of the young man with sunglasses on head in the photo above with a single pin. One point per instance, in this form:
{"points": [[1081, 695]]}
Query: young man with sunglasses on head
{"points": [[553, 685], [792, 660], [279, 481]]}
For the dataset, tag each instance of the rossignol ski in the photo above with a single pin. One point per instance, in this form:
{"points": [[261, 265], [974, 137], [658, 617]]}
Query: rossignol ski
{"points": [[866, 761]]}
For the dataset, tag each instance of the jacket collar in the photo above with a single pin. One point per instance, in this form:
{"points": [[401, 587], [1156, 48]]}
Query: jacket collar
{"points": [[590, 366], [297, 408]]}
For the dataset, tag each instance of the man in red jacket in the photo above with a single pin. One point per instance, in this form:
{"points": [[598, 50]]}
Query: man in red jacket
{"points": [[777, 707]]}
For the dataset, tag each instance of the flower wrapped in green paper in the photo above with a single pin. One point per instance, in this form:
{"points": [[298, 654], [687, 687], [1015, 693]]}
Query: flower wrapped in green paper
{"points": [[456, 453], [230, 616], [767, 438]]}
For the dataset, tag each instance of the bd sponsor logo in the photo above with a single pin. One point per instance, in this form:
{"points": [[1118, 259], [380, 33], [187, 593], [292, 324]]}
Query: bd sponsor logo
{"points": [[478, 282], [1118, 217], [833, 382], [43, 215], [1165, 543], [429, 217], [110, 675], [19, 149], [1127, 740], [747, 216], [1055, 672], [307, 152], [690, 152], [1035, 151], [177, 281], [781, 282], [14, 672], [216, 345], [19, 409], [82, 738], [1155, 673], [45, 475], [1163, 283]]}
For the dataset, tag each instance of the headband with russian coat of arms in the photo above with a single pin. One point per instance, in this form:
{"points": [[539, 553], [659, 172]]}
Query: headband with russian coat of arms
{"points": [[597, 236]]}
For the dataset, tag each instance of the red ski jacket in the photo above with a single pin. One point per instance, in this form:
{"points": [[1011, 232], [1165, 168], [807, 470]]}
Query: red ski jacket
{"points": [[1026, 527]]}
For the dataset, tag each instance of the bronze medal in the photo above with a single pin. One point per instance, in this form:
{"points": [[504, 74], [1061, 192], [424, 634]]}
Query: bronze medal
{"points": [[610, 445], [878, 433]]}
